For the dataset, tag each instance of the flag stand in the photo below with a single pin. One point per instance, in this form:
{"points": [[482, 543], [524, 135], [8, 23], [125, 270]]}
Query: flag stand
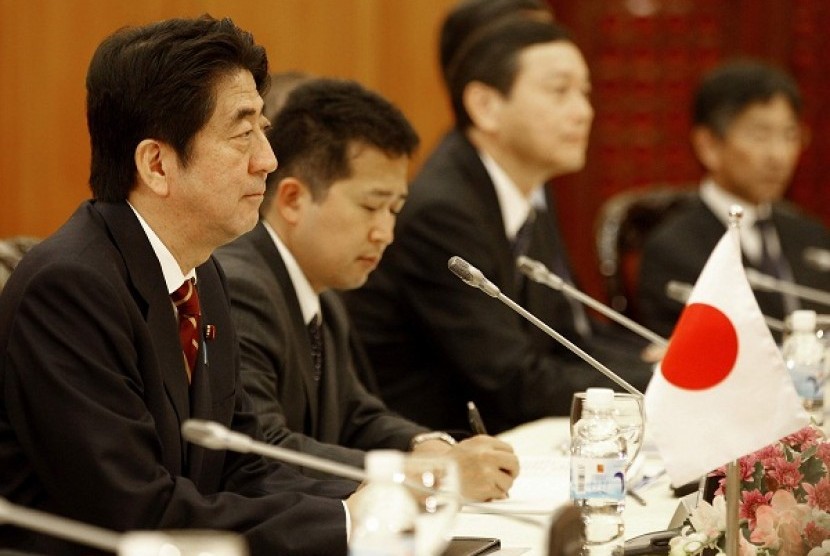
{"points": [[733, 482], [733, 490]]}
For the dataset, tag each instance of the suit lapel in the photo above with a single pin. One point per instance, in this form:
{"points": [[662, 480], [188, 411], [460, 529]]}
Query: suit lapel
{"points": [[477, 178], [327, 385], [150, 293], [265, 246]]}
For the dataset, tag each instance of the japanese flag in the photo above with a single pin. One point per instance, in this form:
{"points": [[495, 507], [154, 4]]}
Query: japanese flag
{"points": [[722, 390]]}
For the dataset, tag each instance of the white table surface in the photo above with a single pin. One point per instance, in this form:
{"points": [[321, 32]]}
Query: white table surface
{"points": [[517, 537]]}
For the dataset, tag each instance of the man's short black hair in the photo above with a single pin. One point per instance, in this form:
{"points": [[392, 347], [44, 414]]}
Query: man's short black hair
{"points": [[322, 121], [731, 88], [158, 81]]}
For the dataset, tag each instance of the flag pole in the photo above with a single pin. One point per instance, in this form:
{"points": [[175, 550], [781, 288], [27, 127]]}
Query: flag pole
{"points": [[733, 487], [733, 483]]}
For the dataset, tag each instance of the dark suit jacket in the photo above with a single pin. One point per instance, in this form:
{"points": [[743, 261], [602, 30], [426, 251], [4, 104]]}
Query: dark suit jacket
{"points": [[335, 418], [436, 343], [94, 395], [679, 248]]}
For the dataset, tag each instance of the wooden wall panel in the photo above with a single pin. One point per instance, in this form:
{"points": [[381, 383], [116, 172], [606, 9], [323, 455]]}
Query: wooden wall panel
{"points": [[45, 47]]}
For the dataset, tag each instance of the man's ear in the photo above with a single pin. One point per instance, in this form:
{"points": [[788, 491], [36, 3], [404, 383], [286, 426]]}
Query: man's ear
{"points": [[151, 161], [707, 147], [483, 104], [291, 198]]}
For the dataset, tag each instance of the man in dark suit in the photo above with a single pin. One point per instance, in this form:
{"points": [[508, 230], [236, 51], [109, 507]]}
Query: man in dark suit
{"points": [[96, 379], [748, 136], [519, 90], [328, 216]]}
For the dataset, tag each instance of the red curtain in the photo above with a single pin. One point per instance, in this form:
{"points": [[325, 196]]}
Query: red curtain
{"points": [[646, 57]]}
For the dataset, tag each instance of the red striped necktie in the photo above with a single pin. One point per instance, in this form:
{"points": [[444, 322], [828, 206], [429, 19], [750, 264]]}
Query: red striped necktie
{"points": [[186, 300]]}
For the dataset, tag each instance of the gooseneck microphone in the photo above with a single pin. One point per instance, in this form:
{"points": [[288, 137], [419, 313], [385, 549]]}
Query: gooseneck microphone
{"points": [[680, 292], [472, 276], [765, 282], [57, 526], [818, 258], [539, 273], [214, 436]]}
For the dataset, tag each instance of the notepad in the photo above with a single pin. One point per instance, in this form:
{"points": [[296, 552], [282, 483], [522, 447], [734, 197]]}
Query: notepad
{"points": [[543, 485]]}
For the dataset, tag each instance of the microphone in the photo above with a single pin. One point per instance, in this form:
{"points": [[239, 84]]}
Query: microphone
{"points": [[214, 436], [539, 273], [765, 282], [57, 526], [680, 292], [818, 258], [474, 277]]}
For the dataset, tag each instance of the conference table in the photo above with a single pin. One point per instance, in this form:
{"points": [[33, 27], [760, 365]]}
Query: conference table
{"points": [[545, 440]]}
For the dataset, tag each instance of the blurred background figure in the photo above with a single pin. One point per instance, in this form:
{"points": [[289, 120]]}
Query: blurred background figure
{"points": [[747, 135], [282, 83], [519, 88]]}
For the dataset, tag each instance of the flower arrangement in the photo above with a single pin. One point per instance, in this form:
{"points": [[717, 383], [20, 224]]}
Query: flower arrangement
{"points": [[784, 503]]}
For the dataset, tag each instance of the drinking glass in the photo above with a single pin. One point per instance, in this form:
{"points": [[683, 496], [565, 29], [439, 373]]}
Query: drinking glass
{"points": [[629, 415], [182, 543], [436, 485]]}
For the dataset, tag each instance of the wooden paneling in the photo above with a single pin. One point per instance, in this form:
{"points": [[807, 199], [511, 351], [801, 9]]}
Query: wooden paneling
{"points": [[45, 47]]}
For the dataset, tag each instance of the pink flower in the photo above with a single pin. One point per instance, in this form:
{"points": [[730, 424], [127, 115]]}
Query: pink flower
{"points": [[785, 474], [815, 535], [768, 454], [818, 495], [784, 508], [823, 453], [750, 502], [779, 525], [803, 439]]}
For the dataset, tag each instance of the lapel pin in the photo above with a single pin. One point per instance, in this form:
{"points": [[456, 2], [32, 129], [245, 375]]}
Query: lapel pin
{"points": [[210, 332]]}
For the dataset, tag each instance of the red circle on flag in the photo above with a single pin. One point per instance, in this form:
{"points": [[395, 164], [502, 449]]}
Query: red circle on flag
{"points": [[703, 348]]}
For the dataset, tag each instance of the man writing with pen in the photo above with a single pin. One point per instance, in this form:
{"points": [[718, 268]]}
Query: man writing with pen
{"points": [[328, 215]]}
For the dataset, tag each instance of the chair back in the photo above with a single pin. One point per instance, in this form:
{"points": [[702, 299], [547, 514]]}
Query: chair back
{"points": [[622, 227], [12, 250]]}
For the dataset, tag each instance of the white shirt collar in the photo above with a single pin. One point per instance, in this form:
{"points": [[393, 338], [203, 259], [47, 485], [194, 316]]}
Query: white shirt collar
{"points": [[309, 300], [514, 206], [720, 201], [170, 269]]}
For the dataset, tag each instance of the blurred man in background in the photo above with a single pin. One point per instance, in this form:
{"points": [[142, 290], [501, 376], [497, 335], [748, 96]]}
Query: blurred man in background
{"points": [[748, 136], [519, 89]]}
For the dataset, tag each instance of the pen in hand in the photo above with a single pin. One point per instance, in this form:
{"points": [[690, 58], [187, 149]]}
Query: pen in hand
{"points": [[475, 419]]}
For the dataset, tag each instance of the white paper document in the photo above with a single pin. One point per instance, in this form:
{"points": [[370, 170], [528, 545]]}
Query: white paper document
{"points": [[543, 485]]}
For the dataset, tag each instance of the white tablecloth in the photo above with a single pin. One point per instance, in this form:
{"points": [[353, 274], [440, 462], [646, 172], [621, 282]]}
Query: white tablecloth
{"points": [[545, 437]]}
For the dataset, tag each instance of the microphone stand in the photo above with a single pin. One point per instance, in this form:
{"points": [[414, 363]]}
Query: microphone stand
{"points": [[680, 291], [539, 273], [472, 276], [214, 436], [60, 527], [765, 282]]}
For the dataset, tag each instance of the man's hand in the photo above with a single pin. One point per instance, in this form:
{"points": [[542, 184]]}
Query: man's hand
{"points": [[487, 467]]}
